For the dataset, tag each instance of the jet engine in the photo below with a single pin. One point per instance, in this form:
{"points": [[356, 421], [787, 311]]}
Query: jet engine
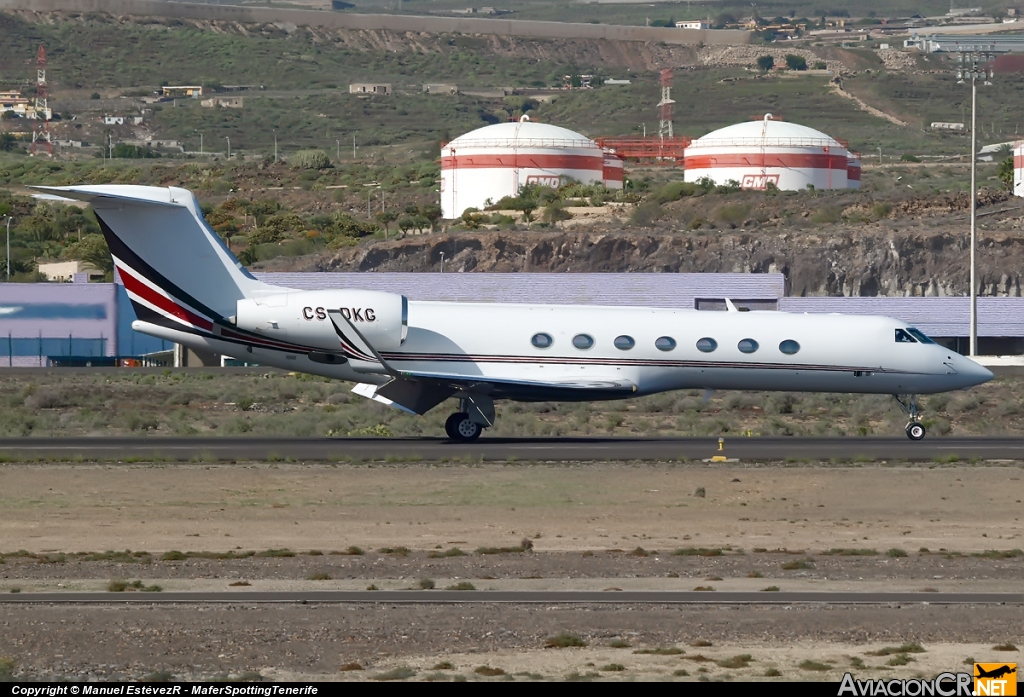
{"points": [[301, 317]]}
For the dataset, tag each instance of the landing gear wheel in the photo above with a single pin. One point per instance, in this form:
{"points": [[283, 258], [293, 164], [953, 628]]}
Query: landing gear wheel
{"points": [[460, 428], [915, 431]]}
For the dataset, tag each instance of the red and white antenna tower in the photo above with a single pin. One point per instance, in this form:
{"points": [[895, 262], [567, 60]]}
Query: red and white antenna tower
{"points": [[665, 105], [41, 133]]}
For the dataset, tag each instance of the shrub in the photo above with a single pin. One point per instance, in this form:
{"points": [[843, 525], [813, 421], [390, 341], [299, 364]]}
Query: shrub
{"points": [[488, 671], [563, 640], [827, 214], [310, 159], [766, 62], [402, 673], [461, 586], [740, 661], [426, 584], [794, 62], [815, 666]]}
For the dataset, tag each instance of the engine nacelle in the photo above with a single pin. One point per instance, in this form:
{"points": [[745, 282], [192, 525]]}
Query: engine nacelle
{"points": [[300, 317]]}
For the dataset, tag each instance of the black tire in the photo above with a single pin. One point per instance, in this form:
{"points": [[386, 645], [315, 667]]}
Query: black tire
{"points": [[915, 431], [452, 424], [460, 429]]}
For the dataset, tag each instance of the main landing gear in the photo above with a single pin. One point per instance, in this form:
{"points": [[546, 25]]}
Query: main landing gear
{"points": [[476, 412], [460, 428], [915, 430]]}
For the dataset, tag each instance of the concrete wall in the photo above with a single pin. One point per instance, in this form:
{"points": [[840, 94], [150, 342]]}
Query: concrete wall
{"points": [[399, 23]]}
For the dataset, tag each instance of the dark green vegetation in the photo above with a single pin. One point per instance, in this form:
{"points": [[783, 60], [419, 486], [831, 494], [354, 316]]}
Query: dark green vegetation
{"points": [[95, 50], [211, 403]]}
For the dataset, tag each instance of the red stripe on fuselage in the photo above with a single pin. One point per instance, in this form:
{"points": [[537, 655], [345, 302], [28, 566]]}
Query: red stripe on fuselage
{"points": [[137, 287]]}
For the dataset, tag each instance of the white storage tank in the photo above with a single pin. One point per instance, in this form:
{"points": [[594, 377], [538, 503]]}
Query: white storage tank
{"points": [[853, 171], [1018, 168], [614, 173], [758, 153], [498, 160]]}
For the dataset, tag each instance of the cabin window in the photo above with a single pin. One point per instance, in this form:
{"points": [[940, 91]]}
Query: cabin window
{"points": [[747, 346], [706, 345], [624, 343], [583, 341], [789, 347], [665, 343], [919, 335], [902, 337], [542, 340]]}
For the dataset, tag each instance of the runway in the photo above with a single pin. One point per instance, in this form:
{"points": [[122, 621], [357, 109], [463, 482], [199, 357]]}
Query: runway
{"points": [[593, 449], [435, 597]]}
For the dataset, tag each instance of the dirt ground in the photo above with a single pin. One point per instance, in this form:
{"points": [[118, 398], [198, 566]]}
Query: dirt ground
{"points": [[560, 507], [595, 527]]}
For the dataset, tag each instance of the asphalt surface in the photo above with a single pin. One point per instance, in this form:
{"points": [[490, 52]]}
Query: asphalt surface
{"points": [[519, 597], [505, 449]]}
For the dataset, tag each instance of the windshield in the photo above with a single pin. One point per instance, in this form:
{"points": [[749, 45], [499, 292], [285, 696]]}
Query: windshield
{"points": [[919, 335]]}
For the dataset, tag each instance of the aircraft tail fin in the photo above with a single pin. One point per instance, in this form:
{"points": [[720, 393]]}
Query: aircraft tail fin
{"points": [[173, 265]]}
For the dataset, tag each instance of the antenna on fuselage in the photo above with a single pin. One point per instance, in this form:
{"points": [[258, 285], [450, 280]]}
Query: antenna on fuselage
{"points": [[729, 306]]}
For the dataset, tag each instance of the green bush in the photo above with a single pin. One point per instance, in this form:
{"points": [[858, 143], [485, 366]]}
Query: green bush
{"points": [[310, 159]]}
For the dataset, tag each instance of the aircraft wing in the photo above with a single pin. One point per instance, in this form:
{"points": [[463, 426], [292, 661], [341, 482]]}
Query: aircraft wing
{"points": [[501, 387], [418, 392]]}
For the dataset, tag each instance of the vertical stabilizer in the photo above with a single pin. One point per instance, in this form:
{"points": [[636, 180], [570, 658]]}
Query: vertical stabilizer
{"points": [[177, 271]]}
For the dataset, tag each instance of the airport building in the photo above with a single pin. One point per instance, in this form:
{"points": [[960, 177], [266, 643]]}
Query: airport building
{"points": [[79, 323]]}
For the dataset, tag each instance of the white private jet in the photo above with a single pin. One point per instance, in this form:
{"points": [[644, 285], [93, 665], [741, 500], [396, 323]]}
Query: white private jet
{"points": [[188, 288]]}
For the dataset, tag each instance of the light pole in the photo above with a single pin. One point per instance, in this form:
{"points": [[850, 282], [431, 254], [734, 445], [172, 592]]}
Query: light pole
{"points": [[442, 262], [971, 61], [229, 146], [8, 267], [337, 156], [275, 145]]}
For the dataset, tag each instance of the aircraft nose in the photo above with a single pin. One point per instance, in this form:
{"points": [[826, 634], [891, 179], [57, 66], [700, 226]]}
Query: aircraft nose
{"points": [[971, 373]]}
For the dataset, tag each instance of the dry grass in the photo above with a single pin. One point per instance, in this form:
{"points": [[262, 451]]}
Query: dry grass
{"points": [[206, 404]]}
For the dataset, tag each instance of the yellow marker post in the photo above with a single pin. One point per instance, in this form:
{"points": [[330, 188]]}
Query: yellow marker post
{"points": [[721, 449]]}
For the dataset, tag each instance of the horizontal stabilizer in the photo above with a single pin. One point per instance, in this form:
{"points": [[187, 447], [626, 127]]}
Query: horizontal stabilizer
{"points": [[369, 391]]}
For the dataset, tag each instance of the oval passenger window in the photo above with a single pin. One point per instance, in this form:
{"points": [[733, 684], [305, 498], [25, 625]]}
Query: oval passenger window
{"points": [[789, 347], [583, 341], [747, 346], [706, 345], [624, 342], [542, 340], [665, 343]]}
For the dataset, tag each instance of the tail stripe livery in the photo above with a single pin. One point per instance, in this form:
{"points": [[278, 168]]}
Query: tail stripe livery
{"points": [[140, 292]]}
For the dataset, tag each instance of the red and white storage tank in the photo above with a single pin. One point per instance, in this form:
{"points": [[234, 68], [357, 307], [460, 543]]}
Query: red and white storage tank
{"points": [[498, 160], [853, 171], [1018, 168], [614, 173], [758, 153]]}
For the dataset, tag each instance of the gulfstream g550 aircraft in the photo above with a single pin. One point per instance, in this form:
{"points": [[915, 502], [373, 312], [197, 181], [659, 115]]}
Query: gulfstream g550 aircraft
{"points": [[188, 288]]}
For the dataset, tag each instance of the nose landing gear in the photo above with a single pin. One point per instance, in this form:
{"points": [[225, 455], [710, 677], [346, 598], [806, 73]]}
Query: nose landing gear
{"points": [[915, 430]]}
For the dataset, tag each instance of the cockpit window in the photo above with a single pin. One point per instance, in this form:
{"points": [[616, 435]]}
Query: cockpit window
{"points": [[919, 335], [902, 337]]}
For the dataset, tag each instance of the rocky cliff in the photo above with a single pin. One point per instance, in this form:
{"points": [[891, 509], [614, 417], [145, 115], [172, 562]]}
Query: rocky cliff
{"points": [[857, 262]]}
